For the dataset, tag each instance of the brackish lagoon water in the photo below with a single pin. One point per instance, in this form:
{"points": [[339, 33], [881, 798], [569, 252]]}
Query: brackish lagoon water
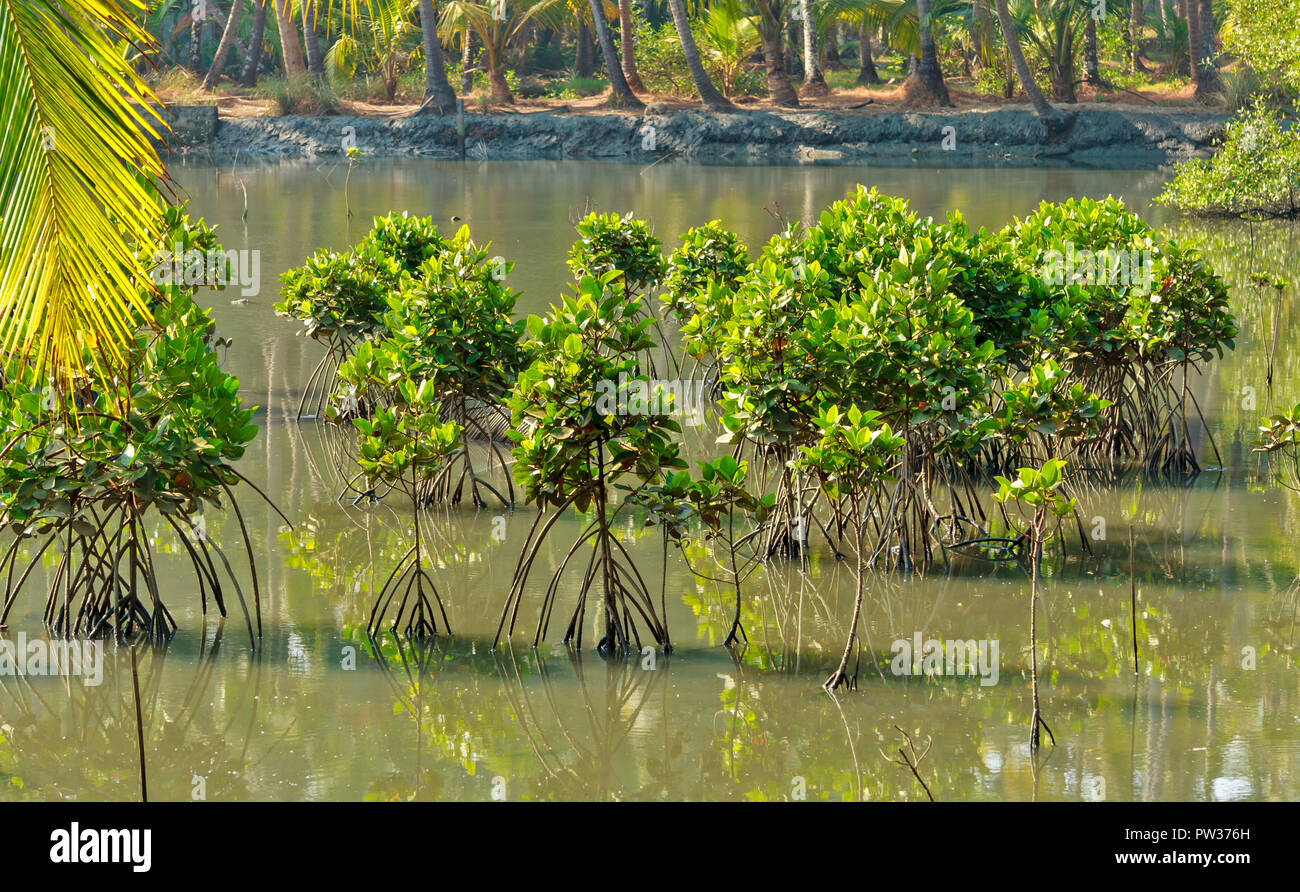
{"points": [[1215, 559]]}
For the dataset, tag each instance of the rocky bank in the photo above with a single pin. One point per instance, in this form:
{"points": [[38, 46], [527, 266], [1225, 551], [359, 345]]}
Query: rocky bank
{"points": [[1098, 137]]}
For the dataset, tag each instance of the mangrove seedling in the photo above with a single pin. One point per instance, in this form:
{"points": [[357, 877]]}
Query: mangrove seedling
{"points": [[716, 497], [610, 243], [341, 299], [406, 446], [452, 327], [585, 416], [1036, 493], [83, 469], [853, 462]]}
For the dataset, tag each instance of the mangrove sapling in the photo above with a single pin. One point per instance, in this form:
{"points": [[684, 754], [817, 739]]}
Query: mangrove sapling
{"points": [[714, 499], [1255, 172], [451, 327], [341, 299], [771, 376], [354, 156], [1279, 441], [1035, 492], [708, 253], [584, 418], [702, 275], [853, 461], [721, 491], [863, 307], [610, 243], [1130, 318], [406, 446], [84, 469], [1030, 420]]}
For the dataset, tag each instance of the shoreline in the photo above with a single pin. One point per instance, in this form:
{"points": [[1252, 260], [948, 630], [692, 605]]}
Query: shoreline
{"points": [[1100, 137]]}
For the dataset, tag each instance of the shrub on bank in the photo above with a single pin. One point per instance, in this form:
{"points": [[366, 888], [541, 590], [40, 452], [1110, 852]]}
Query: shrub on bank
{"points": [[1255, 173]]}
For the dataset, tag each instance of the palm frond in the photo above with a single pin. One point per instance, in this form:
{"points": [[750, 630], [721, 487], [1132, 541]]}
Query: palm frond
{"points": [[79, 174]]}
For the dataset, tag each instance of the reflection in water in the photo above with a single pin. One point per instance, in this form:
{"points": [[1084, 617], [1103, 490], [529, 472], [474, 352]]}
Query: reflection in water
{"points": [[203, 723], [321, 712]]}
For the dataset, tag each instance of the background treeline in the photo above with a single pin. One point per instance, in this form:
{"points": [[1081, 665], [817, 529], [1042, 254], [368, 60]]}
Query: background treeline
{"points": [[307, 54]]}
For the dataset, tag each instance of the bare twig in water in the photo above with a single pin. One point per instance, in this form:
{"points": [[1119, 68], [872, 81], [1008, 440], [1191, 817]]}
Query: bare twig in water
{"points": [[909, 759]]}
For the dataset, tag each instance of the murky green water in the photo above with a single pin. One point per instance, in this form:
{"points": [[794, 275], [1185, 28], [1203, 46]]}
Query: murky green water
{"points": [[1216, 563]]}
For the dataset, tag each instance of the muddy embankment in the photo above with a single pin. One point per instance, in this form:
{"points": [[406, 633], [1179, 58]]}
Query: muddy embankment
{"points": [[1098, 137]]}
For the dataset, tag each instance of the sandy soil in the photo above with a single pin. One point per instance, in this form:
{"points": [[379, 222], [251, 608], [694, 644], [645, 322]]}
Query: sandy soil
{"points": [[242, 103]]}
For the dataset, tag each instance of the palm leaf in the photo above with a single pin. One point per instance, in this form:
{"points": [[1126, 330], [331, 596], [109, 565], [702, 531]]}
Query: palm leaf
{"points": [[79, 177]]}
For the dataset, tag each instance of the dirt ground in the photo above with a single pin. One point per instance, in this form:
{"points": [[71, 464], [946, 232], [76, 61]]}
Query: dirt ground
{"points": [[235, 102]]}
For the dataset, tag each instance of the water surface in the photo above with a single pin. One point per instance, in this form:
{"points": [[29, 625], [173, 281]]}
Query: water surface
{"points": [[294, 719]]}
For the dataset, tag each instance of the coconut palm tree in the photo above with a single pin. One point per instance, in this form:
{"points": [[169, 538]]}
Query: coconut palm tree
{"points": [[248, 76], [1135, 25], [557, 13], [732, 39], [223, 48], [1200, 41], [866, 67], [290, 46], [79, 177], [495, 23], [770, 15], [925, 86], [709, 94], [814, 82], [1054, 120], [621, 95], [438, 95], [627, 46], [310, 42]]}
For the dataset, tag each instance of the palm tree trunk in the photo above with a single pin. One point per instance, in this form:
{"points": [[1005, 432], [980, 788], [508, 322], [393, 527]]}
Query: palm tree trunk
{"points": [[1135, 26], [1194, 45], [223, 48], [315, 65], [627, 46], [289, 43], [248, 77], [978, 17], [833, 60], [583, 64], [1051, 118], [925, 85], [438, 95], [770, 26], [793, 59], [814, 83], [621, 95], [196, 42], [1209, 82], [466, 62], [496, 72], [1091, 66], [867, 73], [1181, 62], [709, 94]]}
